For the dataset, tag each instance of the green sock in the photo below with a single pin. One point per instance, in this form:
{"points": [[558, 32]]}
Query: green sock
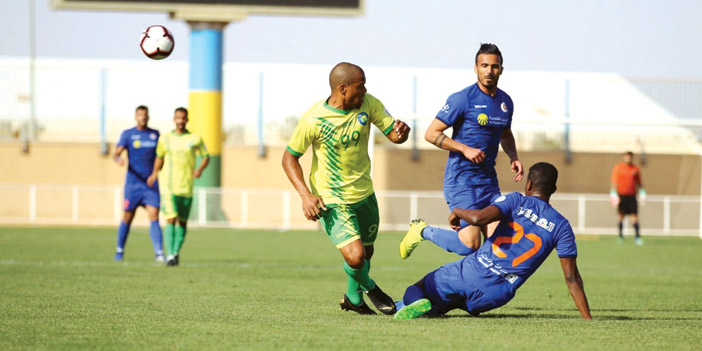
{"points": [[360, 276], [353, 291], [168, 238], [179, 238]]}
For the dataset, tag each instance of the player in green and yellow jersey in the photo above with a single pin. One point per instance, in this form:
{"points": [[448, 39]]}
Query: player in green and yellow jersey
{"points": [[341, 194], [175, 158]]}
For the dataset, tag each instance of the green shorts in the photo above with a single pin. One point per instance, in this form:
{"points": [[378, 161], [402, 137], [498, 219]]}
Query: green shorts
{"points": [[175, 206], [345, 223]]}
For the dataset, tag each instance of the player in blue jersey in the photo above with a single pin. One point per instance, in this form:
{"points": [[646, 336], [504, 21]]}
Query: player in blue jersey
{"points": [[481, 118], [528, 230], [140, 143]]}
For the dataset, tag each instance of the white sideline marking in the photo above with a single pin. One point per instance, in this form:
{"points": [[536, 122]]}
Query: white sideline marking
{"points": [[156, 264]]}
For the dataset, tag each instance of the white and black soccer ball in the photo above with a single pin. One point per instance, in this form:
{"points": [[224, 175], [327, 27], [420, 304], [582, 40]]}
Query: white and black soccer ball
{"points": [[157, 42]]}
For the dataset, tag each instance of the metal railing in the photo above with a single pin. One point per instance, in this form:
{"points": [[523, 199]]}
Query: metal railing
{"points": [[280, 209]]}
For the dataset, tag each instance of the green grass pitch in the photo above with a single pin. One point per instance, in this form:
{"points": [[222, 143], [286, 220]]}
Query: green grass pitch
{"points": [[270, 290]]}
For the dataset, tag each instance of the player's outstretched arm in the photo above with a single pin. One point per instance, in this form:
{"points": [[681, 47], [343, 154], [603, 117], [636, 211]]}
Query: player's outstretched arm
{"points": [[311, 204], [510, 147], [575, 286], [477, 218], [400, 132], [118, 155], [435, 135], [158, 164]]}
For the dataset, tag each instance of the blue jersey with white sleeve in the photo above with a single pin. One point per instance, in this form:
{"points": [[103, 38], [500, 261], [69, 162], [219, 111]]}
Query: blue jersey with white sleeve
{"points": [[141, 150], [478, 121], [529, 230]]}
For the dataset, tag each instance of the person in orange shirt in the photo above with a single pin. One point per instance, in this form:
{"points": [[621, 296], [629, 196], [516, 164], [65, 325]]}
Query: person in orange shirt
{"points": [[626, 182]]}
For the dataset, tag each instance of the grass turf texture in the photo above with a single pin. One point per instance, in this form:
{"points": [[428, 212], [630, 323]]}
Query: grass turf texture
{"points": [[248, 290]]}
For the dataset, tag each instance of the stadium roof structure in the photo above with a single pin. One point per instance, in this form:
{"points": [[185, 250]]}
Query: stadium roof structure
{"points": [[222, 10]]}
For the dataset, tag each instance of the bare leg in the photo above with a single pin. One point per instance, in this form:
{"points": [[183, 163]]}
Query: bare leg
{"points": [[470, 236], [354, 254]]}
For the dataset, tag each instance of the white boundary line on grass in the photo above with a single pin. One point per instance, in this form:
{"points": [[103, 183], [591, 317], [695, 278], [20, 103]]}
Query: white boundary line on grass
{"points": [[158, 264]]}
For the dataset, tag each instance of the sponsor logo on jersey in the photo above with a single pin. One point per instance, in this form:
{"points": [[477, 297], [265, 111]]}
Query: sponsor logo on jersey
{"points": [[482, 119], [136, 144], [445, 108], [503, 106], [480, 106], [363, 118], [489, 264]]}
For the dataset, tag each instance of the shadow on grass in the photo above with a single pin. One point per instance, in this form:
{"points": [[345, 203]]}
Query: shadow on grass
{"points": [[643, 310], [570, 315], [559, 316], [562, 316], [608, 309]]}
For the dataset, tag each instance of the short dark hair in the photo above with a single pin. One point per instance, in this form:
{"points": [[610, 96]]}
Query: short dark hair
{"points": [[543, 176], [142, 107], [182, 109], [629, 153], [489, 49]]}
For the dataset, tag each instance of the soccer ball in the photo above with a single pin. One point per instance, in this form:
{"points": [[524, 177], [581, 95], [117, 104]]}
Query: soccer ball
{"points": [[157, 42]]}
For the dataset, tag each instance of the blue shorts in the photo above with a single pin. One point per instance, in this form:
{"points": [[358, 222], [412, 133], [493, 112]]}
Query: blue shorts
{"points": [[446, 290], [136, 196], [472, 197]]}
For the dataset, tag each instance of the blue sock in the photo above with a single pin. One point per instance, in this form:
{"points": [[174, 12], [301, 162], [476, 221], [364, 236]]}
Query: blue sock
{"points": [[122, 234], [156, 237], [412, 294], [446, 239]]}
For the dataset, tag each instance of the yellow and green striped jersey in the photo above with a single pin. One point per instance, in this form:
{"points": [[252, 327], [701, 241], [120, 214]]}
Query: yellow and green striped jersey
{"points": [[340, 164], [178, 152]]}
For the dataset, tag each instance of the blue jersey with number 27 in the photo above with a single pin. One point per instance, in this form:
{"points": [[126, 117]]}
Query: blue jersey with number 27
{"points": [[527, 233]]}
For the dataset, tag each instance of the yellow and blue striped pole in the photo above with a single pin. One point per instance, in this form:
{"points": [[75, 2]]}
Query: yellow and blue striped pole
{"points": [[205, 97]]}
